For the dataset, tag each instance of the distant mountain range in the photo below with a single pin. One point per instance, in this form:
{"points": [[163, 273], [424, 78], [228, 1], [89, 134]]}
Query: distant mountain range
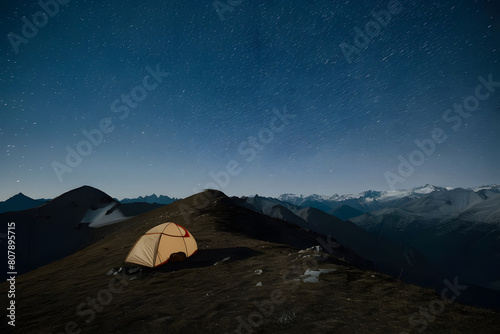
{"points": [[152, 199], [368, 201], [20, 202], [340, 206]]}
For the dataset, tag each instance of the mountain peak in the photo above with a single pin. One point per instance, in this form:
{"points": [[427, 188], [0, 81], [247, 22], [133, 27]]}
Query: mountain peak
{"points": [[428, 188], [20, 195], [19, 202]]}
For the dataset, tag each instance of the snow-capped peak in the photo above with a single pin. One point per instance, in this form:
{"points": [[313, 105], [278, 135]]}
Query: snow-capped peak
{"points": [[368, 195], [428, 188], [493, 187]]}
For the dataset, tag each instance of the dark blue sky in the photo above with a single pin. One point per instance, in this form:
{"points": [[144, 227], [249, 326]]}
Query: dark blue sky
{"points": [[351, 118]]}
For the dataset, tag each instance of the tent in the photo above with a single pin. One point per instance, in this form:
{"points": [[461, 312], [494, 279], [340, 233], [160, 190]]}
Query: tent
{"points": [[163, 243]]}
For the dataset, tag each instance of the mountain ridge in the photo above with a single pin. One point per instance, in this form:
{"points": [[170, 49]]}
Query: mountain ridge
{"points": [[152, 199], [20, 202], [371, 200]]}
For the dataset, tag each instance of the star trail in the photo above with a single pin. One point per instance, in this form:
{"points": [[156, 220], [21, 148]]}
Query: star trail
{"points": [[170, 97]]}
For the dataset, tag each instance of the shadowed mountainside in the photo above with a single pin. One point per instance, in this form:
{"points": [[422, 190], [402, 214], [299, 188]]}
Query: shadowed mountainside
{"points": [[387, 256], [458, 230]]}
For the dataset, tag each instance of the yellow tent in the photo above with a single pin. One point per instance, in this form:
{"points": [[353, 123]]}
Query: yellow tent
{"points": [[162, 243]]}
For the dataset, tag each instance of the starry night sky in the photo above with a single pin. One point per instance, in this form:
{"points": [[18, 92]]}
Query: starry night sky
{"points": [[222, 83]]}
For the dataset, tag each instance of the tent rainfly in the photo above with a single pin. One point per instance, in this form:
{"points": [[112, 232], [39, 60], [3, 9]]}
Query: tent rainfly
{"points": [[162, 243]]}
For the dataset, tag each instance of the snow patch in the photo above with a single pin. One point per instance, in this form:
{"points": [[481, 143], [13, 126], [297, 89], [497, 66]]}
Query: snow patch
{"points": [[103, 216], [312, 276]]}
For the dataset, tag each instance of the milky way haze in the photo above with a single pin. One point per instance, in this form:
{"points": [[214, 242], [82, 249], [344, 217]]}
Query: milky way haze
{"points": [[266, 97]]}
